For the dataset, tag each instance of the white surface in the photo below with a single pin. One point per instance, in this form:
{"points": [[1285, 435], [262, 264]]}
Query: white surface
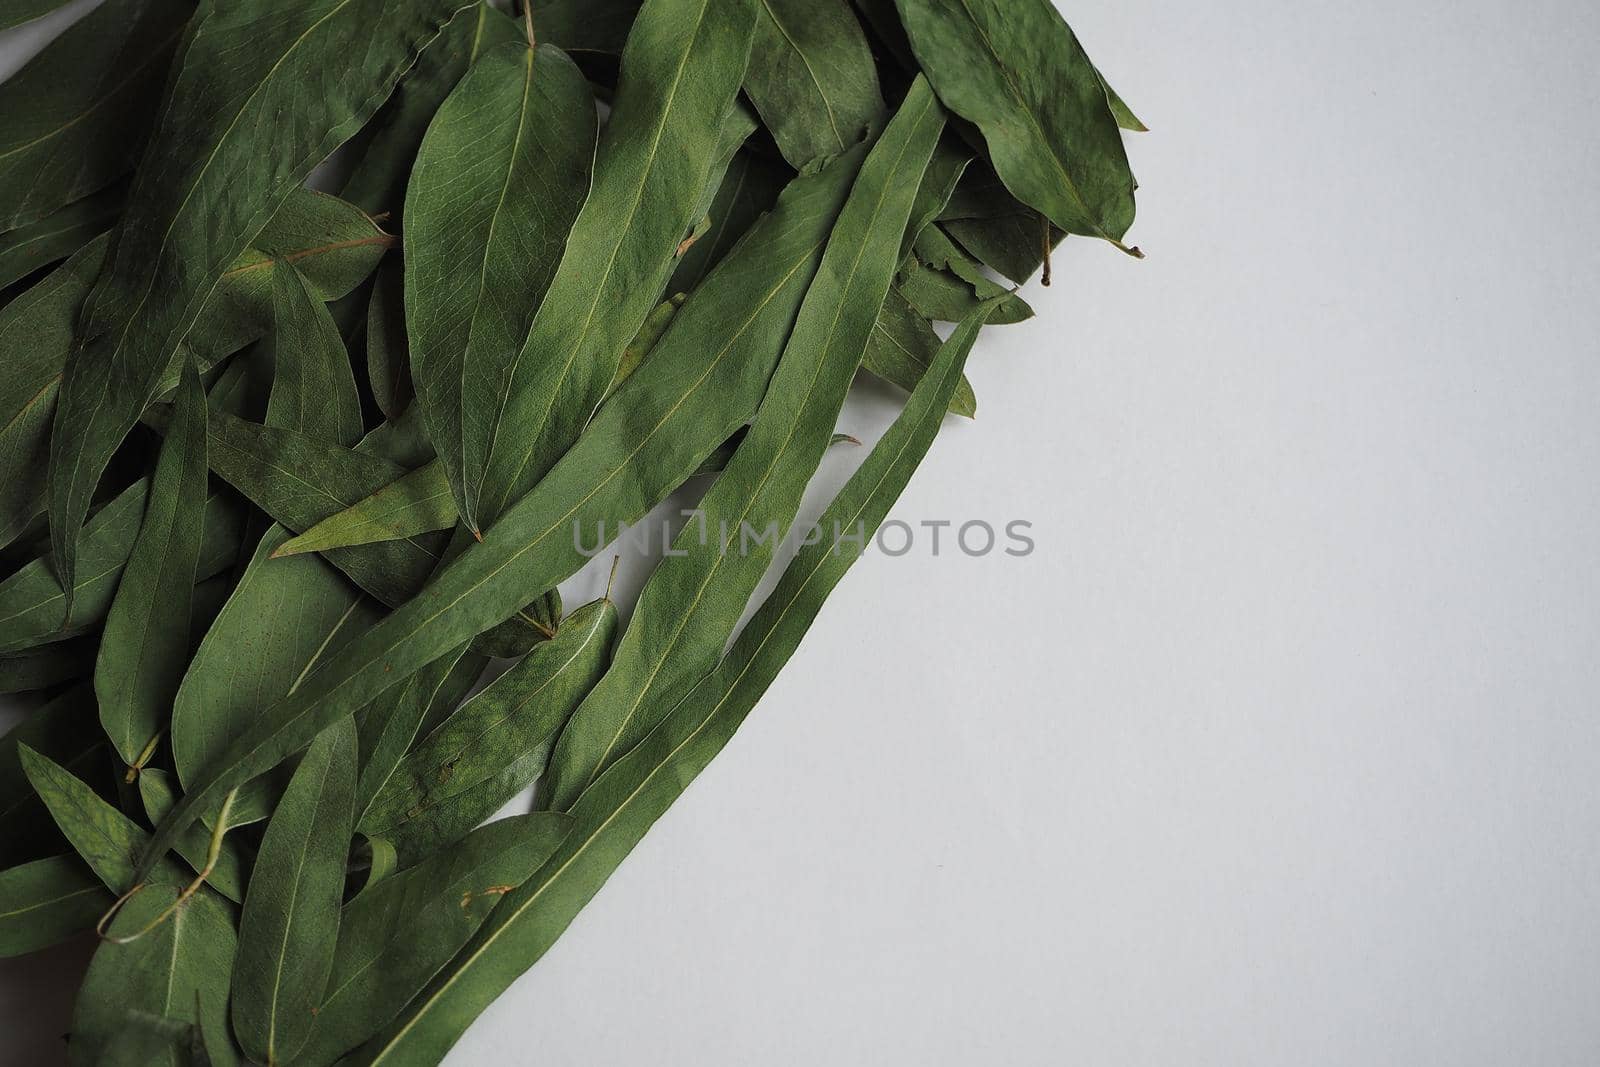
{"points": [[1283, 748]]}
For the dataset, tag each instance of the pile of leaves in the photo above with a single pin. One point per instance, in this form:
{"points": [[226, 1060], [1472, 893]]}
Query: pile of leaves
{"points": [[283, 473]]}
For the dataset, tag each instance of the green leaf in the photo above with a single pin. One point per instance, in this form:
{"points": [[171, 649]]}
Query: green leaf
{"points": [[1016, 71], [77, 116], [290, 923], [332, 243], [649, 335], [292, 615], [378, 181], [388, 350], [313, 388], [945, 285], [230, 871], [107, 840], [145, 648], [177, 971], [414, 504], [902, 348], [47, 901], [749, 187], [300, 482], [812, 78], [1012, 246], [58, 235], [241, 130], [396, 936], [17, 12], [696, 596], [939, 183], [45, 668], [599, 26], [499, 180], [680, 74], [701, 384], [495, 744], [32, 607], [616, 812], [66, 731], [388, 726]]}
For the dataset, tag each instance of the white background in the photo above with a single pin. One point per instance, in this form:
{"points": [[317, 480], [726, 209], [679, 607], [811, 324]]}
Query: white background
{"points": [[1284, 746]]}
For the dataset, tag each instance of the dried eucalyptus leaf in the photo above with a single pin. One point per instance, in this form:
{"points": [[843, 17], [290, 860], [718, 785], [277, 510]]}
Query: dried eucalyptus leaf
{"points": [[77, 116], [812, 78], [702, 383], [695, 598], [145, 648], [500, 177], [616, 812], [290, 924], [221, 164], [46, 902], [1015, 70], [58, 235], [495, 744], [680, 73]]}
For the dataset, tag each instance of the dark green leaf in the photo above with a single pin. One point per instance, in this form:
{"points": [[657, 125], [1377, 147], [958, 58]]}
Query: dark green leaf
{"points": [[64, 730], [902, 348], [290, 923], [107, 840], [230, 871], [177, 971], [292, 615], [77, 116], [58, 235], [332, 243], [146, 644], [47, 901], [615, 813], [313, 388], [394, 937]]}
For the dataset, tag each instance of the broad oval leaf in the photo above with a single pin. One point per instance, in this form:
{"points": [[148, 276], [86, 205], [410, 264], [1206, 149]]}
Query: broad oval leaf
{"points": [[812, 78]]}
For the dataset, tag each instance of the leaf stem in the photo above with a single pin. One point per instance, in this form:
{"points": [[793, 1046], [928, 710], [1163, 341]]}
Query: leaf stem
{"points": [[213, 853]]}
